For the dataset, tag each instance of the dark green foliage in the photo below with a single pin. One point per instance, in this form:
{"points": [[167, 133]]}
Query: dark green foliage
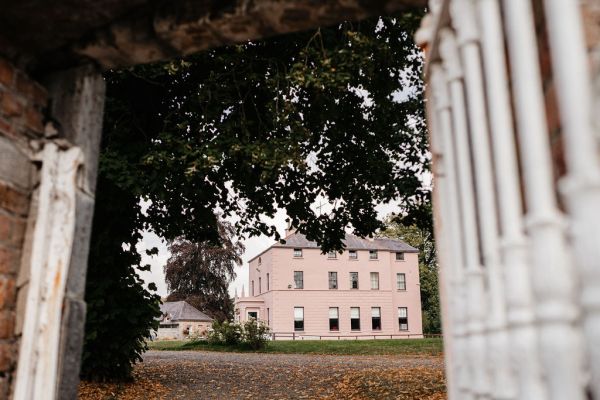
{"points": [[251, 334], [226, 333], [120, 313], [255, 334], [245, 130]]}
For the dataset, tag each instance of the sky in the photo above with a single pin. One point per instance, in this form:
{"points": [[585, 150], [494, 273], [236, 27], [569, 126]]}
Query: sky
{"points": [[254, 246]]}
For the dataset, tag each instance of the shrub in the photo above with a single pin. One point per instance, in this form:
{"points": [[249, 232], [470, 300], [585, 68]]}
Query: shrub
{"points": [[255, 334], [227, 333]]}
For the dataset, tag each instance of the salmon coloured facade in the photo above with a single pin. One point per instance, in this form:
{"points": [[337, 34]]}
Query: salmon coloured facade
{"points": [[370, 290]]}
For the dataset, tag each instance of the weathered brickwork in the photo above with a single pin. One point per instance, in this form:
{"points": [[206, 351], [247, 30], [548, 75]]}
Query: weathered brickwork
{"points": [[22, 103]]}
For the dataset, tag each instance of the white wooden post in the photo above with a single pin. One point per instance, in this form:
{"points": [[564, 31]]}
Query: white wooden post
{"points": [[478, 383], [581, 186], [465, 20], [53, 236], [445, 183], [513, 244], [553, 279]]}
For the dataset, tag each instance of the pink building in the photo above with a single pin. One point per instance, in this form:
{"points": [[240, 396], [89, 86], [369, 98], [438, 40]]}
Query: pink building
{"points": [[372, 288]]}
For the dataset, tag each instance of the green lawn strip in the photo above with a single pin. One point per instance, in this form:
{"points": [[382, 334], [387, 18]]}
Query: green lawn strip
{"points": [[426, 347]]}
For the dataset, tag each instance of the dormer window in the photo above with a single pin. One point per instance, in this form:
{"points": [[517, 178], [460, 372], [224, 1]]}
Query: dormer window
{"points": [[297, 253], [399, 256], [372, 254], [332, 254]]}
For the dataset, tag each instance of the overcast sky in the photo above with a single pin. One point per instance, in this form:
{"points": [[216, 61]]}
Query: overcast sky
{"points": [[254, 246]]}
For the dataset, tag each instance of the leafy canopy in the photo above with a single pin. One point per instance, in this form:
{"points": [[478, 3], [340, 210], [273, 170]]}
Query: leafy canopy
{"points": [[245, 129]]}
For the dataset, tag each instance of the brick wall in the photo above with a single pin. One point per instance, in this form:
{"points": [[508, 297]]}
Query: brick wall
{"points": [[22, 102]]}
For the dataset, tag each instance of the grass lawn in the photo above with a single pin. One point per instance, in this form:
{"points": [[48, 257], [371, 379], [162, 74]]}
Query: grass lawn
{"points": [[426, 347]]}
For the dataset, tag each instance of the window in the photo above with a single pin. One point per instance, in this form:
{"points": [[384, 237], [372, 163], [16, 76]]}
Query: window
{"points": [[372, 254], [399, 256], [333, 280], [252, 315], [268, 316], [297, 253], [353, 280], [334, 319], [267, 281], [401, 281], [259, 260], [355, 318], [353, 255], [375, 280], [332, 254], [298, 318], [298, 280], [259, 285], [376, 318], [403, 318], [252, 288]]}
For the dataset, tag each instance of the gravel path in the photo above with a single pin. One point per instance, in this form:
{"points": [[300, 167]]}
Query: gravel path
{"points": [[214, 375]]}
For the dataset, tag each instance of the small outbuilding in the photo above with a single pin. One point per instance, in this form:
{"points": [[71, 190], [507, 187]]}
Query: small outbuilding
{"points": [[180, 320]]}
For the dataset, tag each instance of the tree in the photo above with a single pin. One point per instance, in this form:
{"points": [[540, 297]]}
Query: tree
{"points": [[200, 273], [246, 129], [417, 231]]}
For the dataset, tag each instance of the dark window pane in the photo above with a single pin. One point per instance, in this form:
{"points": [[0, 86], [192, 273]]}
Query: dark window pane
{"points": [[376, 323], [299, 325], [334, 324], [355, 324]]}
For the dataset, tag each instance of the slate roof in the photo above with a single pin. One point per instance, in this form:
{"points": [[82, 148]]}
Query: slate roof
{"points": [[182, 311], [298, 241]]}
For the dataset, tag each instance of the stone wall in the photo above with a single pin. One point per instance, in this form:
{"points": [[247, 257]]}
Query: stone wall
{"points": [[22, 104]]}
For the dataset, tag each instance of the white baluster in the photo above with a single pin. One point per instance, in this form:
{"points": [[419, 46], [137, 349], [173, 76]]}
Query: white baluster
{"points": [[553, 278], [523, 346], [464, 16], [447, 201], [476, 305], [581, 187]]}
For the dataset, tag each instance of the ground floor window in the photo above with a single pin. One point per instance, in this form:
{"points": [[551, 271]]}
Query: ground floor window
{"points": [[268, 316], [253, 314], [376, 318], [334, 319], [298, 318], [403, 318], [355, 318]]}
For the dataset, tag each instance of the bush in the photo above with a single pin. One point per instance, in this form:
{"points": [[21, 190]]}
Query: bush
{"points": [[251, 333], [227, 333], [255, 334]]}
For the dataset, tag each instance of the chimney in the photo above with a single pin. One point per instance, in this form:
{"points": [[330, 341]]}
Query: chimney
{"points": [[290, 230]]}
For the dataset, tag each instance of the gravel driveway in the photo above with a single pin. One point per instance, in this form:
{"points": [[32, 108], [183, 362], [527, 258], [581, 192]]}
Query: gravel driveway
{"points": [[213, 375]]}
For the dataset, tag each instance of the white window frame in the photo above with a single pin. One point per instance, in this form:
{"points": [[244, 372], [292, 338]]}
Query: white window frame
{"points": [[401, 284], [301, 274], [329, 275], [352, 252], [297, 253], [298, 317], [403, 314], [352, 274], [355, 318], [374, 282], [373, 255]]}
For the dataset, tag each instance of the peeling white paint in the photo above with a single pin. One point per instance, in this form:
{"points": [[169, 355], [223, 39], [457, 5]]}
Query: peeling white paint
{"points": [[53, 236]]}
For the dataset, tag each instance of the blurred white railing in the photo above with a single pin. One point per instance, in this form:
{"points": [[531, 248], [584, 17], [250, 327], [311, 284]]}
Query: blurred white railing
{"points": [[520, 273]]}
